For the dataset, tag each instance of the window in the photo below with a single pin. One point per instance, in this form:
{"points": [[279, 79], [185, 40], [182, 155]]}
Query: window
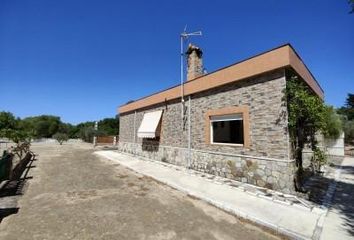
{"points": [[227, 129], [229, 125]]}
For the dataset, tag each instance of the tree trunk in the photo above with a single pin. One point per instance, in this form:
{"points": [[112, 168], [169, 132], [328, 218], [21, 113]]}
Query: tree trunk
{"points": [[298, 180]]}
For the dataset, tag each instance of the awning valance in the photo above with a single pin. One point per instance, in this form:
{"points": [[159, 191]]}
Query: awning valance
{"points": [[149, 126]]}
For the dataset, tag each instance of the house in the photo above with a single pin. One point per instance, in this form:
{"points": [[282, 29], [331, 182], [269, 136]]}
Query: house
{"points": [[231, 122]]}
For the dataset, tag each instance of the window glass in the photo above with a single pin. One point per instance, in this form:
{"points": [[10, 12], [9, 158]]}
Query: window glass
{"points": [[227, 129]]}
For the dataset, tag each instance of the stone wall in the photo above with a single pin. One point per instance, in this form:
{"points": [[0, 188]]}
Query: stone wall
{"points": [[267, 111], [266, 161], [263, 172]]}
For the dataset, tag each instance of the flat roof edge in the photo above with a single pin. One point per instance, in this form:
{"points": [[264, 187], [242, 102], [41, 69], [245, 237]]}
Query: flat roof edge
{"points": [[279, 57]]}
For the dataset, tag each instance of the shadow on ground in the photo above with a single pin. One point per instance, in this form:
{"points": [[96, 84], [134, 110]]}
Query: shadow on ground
{"points": [[343, 199], [14, 188]]}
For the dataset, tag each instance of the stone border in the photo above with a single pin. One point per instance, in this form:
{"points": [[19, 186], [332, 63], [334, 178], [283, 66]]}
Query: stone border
{"points": [[244, 156], [226, 154], [265, 193]]}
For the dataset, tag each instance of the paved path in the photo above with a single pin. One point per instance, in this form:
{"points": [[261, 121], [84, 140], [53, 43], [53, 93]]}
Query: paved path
{"points": [[75, 194], [339, 222], [288, 219]]}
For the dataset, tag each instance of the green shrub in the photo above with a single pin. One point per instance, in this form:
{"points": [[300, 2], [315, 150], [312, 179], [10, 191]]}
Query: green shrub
{"points": [[333, 126], [349, 132], [61, 137]]}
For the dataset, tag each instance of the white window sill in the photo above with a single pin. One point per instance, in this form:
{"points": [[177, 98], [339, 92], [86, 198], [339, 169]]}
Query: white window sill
{"points": [[228, 144]]}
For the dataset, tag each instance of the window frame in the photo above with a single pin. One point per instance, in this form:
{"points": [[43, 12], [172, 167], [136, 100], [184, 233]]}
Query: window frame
{"points": [[234, 110], [225, 118]]}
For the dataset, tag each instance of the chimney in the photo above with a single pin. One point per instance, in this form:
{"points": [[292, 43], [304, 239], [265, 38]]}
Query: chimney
{"points": [[194, 62]]}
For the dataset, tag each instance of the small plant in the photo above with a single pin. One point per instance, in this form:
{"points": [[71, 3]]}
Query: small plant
{"points": [[319, 159], [21, 138], [61, 137]]}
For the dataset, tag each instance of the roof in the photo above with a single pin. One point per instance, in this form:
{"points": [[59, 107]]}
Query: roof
{"points": [[277, 58]]}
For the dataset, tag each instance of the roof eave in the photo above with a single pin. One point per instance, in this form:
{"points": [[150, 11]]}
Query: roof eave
{"points": [[281, 57]]}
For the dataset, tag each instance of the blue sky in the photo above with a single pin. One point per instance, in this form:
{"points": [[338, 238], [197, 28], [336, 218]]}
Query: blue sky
{"points": [[80, 59]]}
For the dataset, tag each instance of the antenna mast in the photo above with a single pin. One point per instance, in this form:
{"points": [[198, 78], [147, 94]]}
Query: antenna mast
{"points": [[184, 36]]}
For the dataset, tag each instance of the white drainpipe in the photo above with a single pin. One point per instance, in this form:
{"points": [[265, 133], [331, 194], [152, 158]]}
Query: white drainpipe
{"points": [[134, 126], [189, 133]]}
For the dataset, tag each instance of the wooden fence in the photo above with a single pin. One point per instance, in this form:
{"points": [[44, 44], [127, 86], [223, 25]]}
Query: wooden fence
{"points": [[107, 140]]}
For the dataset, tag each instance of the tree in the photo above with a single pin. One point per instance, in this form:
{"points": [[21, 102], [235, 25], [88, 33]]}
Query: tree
{"points": [[349, 102], [7, 120], [61, 137], [43, 126], [15, 135], [348, 108], [109, 126], [333, 125], [349, 132], [347, 113], [308, 115], [21, 138], [351, 3], [84, 129]]}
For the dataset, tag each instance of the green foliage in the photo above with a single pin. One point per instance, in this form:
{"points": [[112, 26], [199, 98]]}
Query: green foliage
{"points": [[351, 3], [10, 128], [21, 138], [15, 135], [308, 115], [44, 126], [61, 137], [319, 158], [85, 131], [333, 126], [349, 132], [348, 109], [347, 113], [349, 102], [7, 120], [106, 127], [109, 126], [87, 134]]}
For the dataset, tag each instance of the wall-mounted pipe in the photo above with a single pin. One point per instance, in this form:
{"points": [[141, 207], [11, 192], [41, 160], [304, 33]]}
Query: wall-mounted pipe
{"points": [[189, 133], [134, 127]]}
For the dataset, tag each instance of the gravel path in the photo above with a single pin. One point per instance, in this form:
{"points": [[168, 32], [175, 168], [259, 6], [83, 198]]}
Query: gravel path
{"points": [[75, 195]]}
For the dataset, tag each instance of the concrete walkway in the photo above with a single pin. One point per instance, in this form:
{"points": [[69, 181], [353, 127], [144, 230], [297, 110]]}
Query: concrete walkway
{"points": [[286, 219], [339, 222]]}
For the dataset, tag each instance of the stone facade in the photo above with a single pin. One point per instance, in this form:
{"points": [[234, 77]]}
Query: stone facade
{"points": [[266, 162]]}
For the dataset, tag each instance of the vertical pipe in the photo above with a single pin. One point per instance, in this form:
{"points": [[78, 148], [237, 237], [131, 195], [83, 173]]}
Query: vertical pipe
{"points": [[134, 126], [189, 133], [182, 80]]}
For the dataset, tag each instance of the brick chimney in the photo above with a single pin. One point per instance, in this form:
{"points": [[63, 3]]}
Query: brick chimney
{"points": [[194, 62]]}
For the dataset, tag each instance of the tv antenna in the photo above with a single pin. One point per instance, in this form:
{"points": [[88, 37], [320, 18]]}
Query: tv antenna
{"points": [[184, 36]]}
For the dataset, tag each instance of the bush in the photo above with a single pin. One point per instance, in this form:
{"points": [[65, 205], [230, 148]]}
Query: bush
{"points": [[349, 132], [333, 123], [61, 137], [7, 120], [319, 159]]}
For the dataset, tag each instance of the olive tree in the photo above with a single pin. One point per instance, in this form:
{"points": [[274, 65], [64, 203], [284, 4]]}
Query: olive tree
{"points": [[61, 137]]}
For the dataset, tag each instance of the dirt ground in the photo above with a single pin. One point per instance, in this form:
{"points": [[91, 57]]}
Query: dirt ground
{"points": [[76, 195]]}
